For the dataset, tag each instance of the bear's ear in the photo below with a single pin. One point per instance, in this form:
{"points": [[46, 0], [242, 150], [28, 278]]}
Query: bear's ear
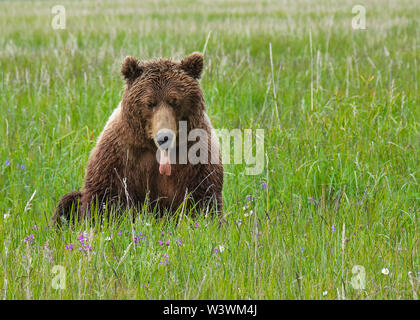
{"points": [[131, 69], [193, 65]]}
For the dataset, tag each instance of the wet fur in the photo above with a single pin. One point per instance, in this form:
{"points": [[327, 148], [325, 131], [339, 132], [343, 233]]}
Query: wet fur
{"points": [[122, 168]]}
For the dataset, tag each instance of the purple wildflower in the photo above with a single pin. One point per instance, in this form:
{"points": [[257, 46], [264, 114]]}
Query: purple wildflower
{"points": [[167, 243], [332, 228], [197, 225], [22, 167], [264, 185], [29, 238], [311, 199], [160, 242], [250, 197], [87, 247], [166, 259], [136, 239], [84, 239], [69, 246], [81, 238], [7, 162], [301, 254], [216, 251]]}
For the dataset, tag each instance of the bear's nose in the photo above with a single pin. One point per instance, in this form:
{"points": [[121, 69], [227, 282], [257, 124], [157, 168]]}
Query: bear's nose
{"points": [[164, 138]]}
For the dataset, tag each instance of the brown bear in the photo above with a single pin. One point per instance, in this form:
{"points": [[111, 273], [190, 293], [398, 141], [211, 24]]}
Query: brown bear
{"points": [[135, 155]]}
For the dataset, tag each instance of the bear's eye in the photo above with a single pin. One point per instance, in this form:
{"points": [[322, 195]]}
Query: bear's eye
{"points": [[151, 105], [173, 103]]}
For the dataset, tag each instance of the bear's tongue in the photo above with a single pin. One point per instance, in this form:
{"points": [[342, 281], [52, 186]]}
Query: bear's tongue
{"points": [[164, 165]]}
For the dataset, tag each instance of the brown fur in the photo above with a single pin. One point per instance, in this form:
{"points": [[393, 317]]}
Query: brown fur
{"points": [[122, 167]]}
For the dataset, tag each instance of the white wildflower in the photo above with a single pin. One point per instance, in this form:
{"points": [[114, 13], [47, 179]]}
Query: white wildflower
{"points": [[385, 271], [249, 213]]}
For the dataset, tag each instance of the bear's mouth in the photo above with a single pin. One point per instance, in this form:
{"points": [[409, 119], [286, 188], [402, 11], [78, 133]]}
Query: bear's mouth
{"points": [[165, 140], [164, 163]]}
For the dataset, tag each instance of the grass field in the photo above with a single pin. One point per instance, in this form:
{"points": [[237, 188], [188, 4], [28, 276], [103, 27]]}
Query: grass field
{"points": [[340, 188]]}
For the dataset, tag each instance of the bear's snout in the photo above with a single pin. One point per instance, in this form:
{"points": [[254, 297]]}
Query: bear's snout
{"points": [[165, 138], [164, 128]]}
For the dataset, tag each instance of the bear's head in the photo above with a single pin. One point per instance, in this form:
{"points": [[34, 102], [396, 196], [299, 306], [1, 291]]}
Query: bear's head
{"points": [[159, 94]]}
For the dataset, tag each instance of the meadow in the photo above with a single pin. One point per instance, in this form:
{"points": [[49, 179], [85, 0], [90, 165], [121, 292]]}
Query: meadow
{"points": [[333, 215]]}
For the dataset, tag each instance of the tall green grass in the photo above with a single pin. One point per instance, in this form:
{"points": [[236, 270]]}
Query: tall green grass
{"points": [[340, 110]]}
